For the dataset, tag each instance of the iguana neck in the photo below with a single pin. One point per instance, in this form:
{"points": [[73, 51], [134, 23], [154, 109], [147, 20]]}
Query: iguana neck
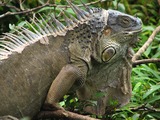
{"points": [[84, 40]]}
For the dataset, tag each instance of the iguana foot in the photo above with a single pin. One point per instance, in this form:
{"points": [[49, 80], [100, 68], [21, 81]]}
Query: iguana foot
{"points": [[8, 117], [52, 107]]}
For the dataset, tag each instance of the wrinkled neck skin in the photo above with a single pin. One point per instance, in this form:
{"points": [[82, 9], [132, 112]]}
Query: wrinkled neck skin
{"points": [[110, 82]]}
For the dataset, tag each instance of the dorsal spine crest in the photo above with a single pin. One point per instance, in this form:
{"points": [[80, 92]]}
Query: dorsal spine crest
{"points": [[52, 27]]}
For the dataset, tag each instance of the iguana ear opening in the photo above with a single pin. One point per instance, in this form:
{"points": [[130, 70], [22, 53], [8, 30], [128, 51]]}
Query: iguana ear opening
{"points": [[108, 53]]}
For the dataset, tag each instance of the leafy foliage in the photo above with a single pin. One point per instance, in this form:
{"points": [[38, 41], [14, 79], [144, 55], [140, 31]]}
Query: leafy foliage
{"points": [[145, 102]]}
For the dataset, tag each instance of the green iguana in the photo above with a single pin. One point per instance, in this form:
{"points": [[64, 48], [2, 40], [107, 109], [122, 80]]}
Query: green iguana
{"points": [[90, 54]]}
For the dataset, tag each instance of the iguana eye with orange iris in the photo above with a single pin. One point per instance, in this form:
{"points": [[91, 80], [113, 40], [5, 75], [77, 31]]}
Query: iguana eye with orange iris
{"points": [[108, 53]]}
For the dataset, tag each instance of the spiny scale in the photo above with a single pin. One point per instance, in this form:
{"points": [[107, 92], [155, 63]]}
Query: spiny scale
{"points": [[69, 22], [87, 8], [24, 37], [80, 13]]}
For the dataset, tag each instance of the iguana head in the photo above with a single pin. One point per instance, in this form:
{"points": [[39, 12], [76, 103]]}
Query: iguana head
{"points": [[119, 22], [120, 32]]}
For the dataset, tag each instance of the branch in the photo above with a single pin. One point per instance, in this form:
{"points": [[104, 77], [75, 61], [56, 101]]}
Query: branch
{"points": [[63, 114], [146, 45], [142, 107], [25, 11], [45, 5], [144, 61], [9, 6], [158, 2]]}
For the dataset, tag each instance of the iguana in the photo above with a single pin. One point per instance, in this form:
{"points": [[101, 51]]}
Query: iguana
{"points": [[89, 55]]}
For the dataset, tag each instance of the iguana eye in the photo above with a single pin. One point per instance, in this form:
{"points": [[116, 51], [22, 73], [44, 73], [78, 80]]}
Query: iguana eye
{"points": [[124, 21], [108, 53]]}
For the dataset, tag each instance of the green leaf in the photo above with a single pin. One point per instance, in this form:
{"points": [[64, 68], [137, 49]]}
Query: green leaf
{"points": [[62, 103], [153, 99], [135, 116], [148, 28], [26, 118], [153, 89], [136, 87], [155, 73], [148, 51], [45, 9], [58, 1], [22, 23], [156, 115], [11, 26], [99, 94]]}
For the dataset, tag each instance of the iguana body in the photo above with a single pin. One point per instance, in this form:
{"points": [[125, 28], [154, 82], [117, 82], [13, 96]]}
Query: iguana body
{"points": [[90, 55]]}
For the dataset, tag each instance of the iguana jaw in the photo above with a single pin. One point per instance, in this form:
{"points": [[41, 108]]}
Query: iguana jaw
{"points": [[134, 31], [114, 43], [137, 30], [135, 34]]}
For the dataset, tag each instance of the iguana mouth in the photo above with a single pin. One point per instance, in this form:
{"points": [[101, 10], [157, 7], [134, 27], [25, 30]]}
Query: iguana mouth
{"points": [[135, 34], [130, 31]]}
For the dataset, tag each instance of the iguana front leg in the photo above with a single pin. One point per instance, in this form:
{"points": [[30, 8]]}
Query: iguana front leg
{"points": [[62, 83]]}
